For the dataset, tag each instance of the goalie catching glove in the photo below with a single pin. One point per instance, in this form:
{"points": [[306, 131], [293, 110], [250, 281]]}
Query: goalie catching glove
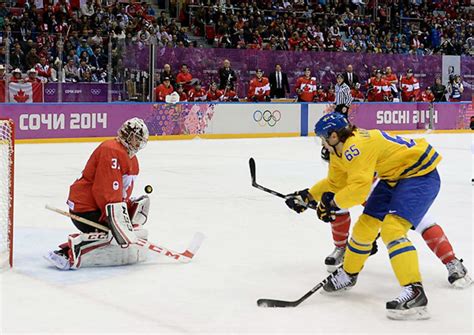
{"points": [[300, 201], [327, 209]]}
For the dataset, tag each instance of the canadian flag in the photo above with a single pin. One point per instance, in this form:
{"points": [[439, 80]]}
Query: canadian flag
{"points": [[24, 93]]}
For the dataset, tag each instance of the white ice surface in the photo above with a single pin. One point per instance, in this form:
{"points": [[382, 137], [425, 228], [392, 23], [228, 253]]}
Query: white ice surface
{"points": [[256, 247]]}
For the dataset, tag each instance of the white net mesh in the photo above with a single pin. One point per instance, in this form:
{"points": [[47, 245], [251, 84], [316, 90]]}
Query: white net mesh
{"points": [[6, 191]]}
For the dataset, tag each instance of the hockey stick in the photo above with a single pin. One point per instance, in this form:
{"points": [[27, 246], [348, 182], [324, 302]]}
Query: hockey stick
{"points": [[253, 175], [283, 303], [184, 256]]}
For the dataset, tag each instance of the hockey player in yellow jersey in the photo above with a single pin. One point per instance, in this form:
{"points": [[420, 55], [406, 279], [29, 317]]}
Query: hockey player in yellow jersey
{"points": [[409, 183]]}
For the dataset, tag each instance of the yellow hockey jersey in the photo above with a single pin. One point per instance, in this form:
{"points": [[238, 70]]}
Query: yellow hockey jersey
{"points": [[373, 151]]}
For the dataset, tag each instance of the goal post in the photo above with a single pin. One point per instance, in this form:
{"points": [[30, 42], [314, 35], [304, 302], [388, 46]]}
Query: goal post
{"points": [[7, 167]]}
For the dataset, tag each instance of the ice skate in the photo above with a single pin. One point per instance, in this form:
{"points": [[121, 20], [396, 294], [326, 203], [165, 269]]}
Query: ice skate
{"points": [[409, 305], [340, 281], [335, 259], [457, 274], [58, 259]]}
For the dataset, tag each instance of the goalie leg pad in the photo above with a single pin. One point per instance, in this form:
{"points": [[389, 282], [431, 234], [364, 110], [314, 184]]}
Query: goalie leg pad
{"points": [[139, 209], [120, 224], [99, 249]]}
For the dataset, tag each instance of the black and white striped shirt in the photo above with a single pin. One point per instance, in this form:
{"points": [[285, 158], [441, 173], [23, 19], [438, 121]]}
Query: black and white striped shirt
{"points": [[343, 94]]}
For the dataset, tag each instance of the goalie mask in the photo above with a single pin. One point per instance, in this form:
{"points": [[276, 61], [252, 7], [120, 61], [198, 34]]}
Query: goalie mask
{"points": [[133, 135]]}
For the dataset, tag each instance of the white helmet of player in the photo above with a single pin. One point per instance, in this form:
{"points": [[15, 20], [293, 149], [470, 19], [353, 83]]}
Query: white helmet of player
{"points": [[133, 134]]}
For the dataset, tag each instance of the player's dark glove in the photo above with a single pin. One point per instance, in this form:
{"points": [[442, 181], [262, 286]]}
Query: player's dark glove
{"points": [[326, 210], [325, 154], [267, 98], [300, 201]]}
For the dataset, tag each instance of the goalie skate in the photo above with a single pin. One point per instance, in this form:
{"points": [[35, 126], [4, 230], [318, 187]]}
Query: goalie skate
{"points": [[409, 305], [335, 259], [58, 259], [457, 274]]}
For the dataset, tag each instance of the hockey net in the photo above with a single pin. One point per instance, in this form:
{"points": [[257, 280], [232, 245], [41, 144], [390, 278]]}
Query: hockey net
{"points": [[7, 147]]}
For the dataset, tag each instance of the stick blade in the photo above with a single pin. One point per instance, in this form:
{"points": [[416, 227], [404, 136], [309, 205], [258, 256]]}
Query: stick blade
{"points": [[252, 169], [271, 303]]}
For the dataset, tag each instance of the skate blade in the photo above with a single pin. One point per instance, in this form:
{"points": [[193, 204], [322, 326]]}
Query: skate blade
{"points": [[332, 268], [55, 260], [415, 313], [462, 283]]}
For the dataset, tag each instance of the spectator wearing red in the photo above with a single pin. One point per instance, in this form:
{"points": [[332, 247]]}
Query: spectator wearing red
{"points": [[32, 78], [197, 93], [379, 89], [184, 78], [182, 95], [43, 69], [357, 94], [16, 76], [306, 86], [392, 80], [427, 95], [410, 87], [259, 88], [331, 95], [320, 95], [164, 89], [229, 94], [213, 94], [2, 72]]}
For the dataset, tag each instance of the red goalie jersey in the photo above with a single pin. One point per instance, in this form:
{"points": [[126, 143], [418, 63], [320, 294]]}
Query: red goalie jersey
{"points": [[107, 178]]}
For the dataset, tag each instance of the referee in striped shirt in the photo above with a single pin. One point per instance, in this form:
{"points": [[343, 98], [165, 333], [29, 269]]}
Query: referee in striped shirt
{"points": [[343, 95]]}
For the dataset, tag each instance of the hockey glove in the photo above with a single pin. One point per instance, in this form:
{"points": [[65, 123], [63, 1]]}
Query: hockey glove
{"points": [[325, 154], [326, 210], [300, 201]]}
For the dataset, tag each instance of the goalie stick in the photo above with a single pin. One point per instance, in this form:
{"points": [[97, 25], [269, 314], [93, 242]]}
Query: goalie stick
{"points": [[284, 303], [183, 257], [253, 175]]}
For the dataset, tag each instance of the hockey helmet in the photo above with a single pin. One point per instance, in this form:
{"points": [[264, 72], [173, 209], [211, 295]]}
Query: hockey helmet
{"points": [[133, 134], [329, 123]]}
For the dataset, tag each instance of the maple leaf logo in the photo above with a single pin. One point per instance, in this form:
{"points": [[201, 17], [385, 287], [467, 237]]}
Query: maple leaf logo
{"points": [[260, 91], [21, 96]]}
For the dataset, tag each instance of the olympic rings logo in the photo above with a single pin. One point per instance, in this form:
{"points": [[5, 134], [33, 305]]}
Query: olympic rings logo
{"points": [[50, 91], [95, 91], [267, 117]]}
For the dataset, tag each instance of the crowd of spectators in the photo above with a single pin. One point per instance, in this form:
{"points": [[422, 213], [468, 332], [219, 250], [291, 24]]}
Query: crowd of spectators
{"points": [[80, 38], [382, 86], [394, 27], [83, 40]]}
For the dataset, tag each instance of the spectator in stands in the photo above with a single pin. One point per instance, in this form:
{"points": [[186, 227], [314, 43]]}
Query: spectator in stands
{"points": [[32, 57], [357, 94], [213, 94], [32, 78], [331, 94], [43, 69], [182, 95], [83, 68], [410, 87], [439, 90], [279, 85], [392, 81], [197, 93], [350, 78], [227, 76], [87, 9], [455, 88], [305, 86], [84, 47], [320, 95], [185, 78], [16, 76], [17, 57], [166, 72], [378, 88], [229, 94], [71, 71], [259, 87], [164, 89], [426, 95], [2, 72]]}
